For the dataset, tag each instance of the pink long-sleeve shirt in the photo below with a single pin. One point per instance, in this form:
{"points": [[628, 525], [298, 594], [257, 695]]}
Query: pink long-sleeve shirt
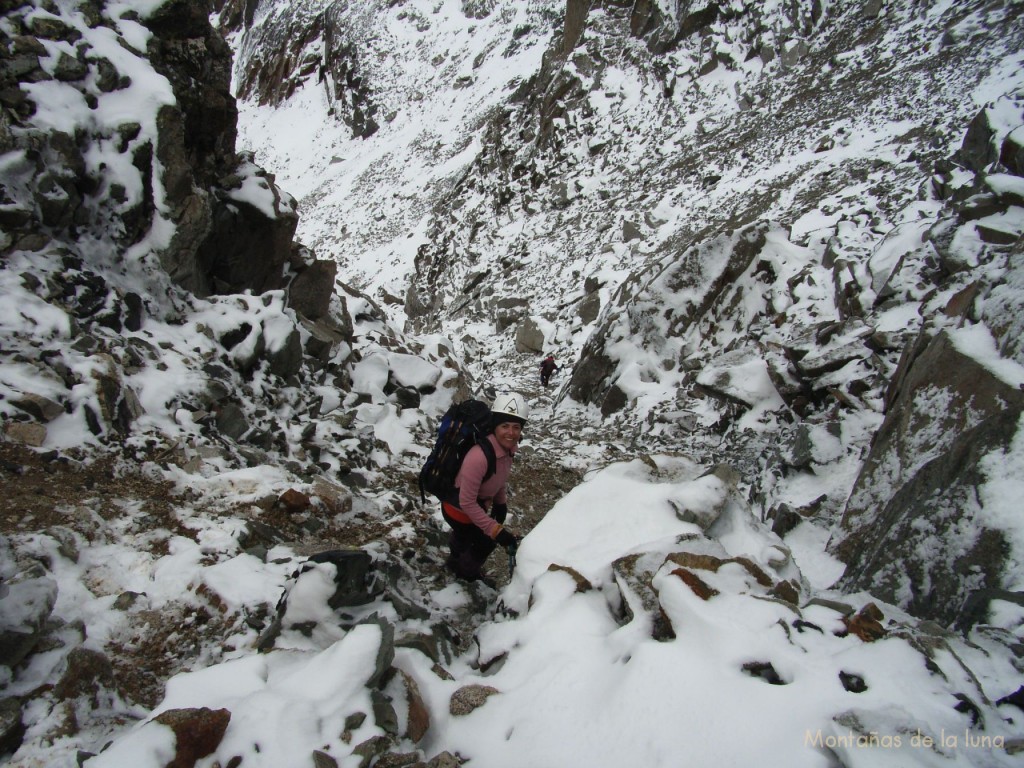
{"points": [[493, 491]]}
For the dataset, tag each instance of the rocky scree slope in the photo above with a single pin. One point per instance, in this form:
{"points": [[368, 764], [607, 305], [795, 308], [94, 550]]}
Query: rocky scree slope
{"points": [[742, 224]]}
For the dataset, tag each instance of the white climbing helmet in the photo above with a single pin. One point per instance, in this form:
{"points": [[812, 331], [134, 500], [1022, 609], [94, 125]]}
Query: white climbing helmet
{"points": [[510, 404]]}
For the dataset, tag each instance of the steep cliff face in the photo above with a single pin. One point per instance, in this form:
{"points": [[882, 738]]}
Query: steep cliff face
{"points": [[288, 45]]}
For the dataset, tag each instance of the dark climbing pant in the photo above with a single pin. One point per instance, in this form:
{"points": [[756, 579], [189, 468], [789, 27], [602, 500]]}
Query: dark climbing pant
{"points": [[470, 547]]}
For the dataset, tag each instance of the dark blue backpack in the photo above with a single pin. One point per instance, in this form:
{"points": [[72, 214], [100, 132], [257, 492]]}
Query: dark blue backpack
{"points": [[463, 425]]}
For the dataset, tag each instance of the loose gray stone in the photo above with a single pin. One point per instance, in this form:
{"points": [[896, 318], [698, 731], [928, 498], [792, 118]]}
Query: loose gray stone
{"points": [[470, 698]]}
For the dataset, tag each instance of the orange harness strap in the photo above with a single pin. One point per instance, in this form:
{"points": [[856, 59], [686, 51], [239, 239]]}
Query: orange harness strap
{"points": [[455, 513]]}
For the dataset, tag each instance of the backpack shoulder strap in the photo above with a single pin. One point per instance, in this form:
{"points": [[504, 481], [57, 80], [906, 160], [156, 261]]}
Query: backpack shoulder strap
{"points": [[492, 459]]}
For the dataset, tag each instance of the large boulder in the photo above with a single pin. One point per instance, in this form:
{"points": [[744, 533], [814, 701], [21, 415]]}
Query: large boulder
{"points": [[917, 530], [25, 605], [529, 336], [328, 581], [310, 291], [250, 236], [197, 732]]}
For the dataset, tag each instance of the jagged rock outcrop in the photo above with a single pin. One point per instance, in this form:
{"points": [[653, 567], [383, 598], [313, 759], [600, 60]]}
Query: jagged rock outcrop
{"points": [[279, 50], [922, 526], [196, 60], [235, 227], [705, 276], [718, 343], [537, 149], [922, 539], [85, 173], [115, 221]]}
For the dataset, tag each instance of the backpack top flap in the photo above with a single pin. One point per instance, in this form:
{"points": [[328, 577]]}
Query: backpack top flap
{"points": [[462, 426]]}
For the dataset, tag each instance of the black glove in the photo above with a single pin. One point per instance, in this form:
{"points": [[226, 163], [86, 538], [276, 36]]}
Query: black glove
{"points": [[506, 539]]}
